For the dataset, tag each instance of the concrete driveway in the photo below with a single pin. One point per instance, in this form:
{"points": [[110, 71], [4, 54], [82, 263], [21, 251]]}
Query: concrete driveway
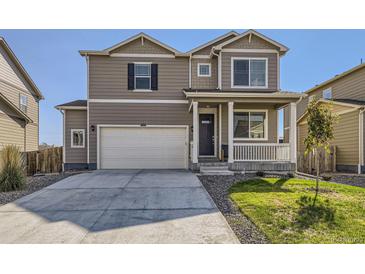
{"points": [[124, 206]]}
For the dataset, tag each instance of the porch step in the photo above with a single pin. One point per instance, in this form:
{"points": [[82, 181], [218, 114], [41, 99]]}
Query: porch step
{"points": [[214, 164], [215, 170]]}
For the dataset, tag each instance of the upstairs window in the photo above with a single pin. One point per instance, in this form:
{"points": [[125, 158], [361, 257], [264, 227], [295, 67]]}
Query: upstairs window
{"points": [[327, 94], [23, 103], [250, 124], [142, 76], [204, 70], [77, 138], [249, 72]]}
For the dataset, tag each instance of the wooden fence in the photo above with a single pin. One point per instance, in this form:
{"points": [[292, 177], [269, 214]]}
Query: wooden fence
{"points": [[327, 162], [44, 161]]}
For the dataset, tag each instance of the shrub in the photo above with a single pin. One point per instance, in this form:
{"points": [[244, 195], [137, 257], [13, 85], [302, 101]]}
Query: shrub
{"points": [[11, 174], [260, 174]]}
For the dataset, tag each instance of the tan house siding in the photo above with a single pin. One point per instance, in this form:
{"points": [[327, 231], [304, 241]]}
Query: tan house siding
{"points": [[346, 138], [10, 73], [135, 114], [255, 43], [204, 82], [272, 122], [11, 127], [32, 141], [12, 85], [108, 78], [75, 119], [136, 47], [272, 71], [351, 86]]}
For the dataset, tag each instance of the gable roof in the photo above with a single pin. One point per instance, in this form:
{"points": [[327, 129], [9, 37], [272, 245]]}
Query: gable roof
{"points": [[20, 68], [77, 104], [213, 41], [356, 104], [15, 108], [141, 35], [283, 49], [339, 76]]}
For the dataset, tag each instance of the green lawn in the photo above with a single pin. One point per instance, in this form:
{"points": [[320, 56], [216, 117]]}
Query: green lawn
{"points": [[282, 209]]}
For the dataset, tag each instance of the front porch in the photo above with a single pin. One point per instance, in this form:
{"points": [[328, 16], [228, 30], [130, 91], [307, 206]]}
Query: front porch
{"points": [[241, 132]]}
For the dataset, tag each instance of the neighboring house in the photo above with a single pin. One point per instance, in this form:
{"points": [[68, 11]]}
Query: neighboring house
{"points": [[346, 93], [151, 106], [19, 103]]}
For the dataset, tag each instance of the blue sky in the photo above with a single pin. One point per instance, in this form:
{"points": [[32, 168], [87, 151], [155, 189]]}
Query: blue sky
{"points": [[51, 58]]}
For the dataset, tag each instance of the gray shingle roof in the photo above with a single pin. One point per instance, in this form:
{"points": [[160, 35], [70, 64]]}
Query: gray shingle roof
{"points": [[76, 103]]}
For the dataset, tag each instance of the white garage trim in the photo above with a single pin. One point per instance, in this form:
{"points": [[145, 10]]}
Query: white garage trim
{"points": [[99, 127]]}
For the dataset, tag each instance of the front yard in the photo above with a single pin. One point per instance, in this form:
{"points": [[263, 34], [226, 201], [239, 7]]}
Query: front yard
{"points": [[282, 209]]}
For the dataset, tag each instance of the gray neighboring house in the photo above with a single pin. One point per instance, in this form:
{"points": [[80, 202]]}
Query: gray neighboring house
{"points": [[150, 106], [19, 103]]}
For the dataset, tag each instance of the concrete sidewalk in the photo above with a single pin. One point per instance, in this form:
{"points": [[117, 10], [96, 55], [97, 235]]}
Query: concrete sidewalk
{"points": [[117, 206]]}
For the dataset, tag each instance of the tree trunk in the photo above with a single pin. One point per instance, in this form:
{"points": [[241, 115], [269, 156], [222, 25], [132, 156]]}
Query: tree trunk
{"points": [[317, 177]]}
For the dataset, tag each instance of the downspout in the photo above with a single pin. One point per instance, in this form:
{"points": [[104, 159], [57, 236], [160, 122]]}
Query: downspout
{"points": [[190, 70], [219, 66], [361, 140], [87, 113]]}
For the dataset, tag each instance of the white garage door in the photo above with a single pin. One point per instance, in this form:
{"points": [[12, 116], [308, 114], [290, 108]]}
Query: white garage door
{"points": [[146, 147]]}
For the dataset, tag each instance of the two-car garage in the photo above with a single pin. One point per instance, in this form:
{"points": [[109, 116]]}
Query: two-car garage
{"points": [[142, 147]]}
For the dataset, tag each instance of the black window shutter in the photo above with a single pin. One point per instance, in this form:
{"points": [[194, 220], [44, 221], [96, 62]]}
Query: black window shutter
{"points": [[154, 77], [130, 76]]}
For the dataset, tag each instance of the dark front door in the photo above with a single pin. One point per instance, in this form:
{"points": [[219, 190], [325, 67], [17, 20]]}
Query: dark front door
{"points": [[206, 134]]}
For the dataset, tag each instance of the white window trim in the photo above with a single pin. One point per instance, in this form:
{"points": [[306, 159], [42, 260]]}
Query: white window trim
{"points": [[72, 142], [135, 77], [266, 124], [249, 72], [20, 102], [210, 70], [327, 90]]}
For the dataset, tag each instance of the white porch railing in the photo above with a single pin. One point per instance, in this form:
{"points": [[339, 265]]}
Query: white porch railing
{"points": [[261, 152]]}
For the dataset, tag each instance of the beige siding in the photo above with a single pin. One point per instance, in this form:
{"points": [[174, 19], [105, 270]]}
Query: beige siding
{"points": [[346, 138], [351, 86], [75, 119], [12, 85], [109, 78], [135, 114], [272, 122], [204, 82], [136, 47], [272, 71], [255, 43], [32, 141], [9, 72], [11, 127]]}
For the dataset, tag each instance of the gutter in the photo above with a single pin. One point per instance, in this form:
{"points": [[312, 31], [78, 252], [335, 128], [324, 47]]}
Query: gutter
{"points": [[361, 140]]}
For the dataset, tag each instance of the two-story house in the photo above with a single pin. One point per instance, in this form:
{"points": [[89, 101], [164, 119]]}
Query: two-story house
{"points": [[346, 95], [150, 106], [19, 103]]}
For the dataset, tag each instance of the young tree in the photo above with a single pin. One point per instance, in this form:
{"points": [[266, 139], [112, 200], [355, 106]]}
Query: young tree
{"points": [[321, 122]]}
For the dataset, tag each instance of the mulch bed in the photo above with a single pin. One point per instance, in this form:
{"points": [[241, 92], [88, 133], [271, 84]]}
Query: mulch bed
{"points": [[218, 186], [33, 184], [352, 180]]}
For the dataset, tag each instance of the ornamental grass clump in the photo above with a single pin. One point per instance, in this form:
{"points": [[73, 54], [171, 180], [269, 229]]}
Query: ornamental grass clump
{"points": [[11, 169]]}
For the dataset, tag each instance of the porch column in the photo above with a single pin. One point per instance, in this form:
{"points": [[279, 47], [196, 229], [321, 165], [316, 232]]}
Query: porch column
{"points": [[230, 132], [195, 132], [293, 132]]}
